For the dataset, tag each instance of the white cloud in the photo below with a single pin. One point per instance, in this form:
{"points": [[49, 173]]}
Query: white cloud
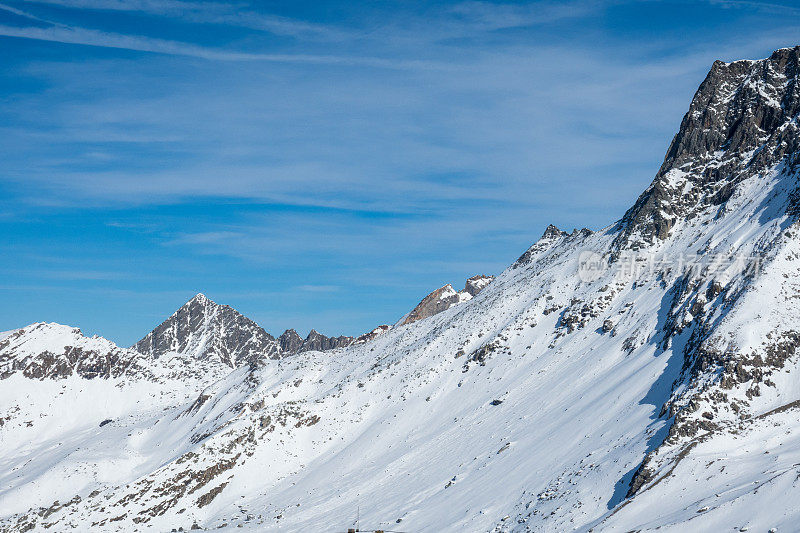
{"points": [[90, 37]]}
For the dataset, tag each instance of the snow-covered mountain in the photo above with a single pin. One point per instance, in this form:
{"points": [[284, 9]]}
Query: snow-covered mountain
{"points": [[45, 350], [642, 377], [204, 329]]}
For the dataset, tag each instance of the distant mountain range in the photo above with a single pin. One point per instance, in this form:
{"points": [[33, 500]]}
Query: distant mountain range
{"points": [[200, 331]]}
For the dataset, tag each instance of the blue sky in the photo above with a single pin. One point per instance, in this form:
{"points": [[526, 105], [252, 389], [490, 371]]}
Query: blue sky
{"points": [[326, 164]]}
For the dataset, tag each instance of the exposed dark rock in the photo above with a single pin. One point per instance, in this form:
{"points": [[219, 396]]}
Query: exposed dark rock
{"points": [[290, 341], [476, 284], [739, 122], [446, 297], [439, 300], [552, 232], [316, 341], [377, 332]]}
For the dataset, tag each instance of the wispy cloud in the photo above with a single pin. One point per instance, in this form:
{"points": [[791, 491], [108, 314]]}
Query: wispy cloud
{"points": [[490, 16], [89, 37], [386, 150], [768, 7], [209, 12], [24, 14]]}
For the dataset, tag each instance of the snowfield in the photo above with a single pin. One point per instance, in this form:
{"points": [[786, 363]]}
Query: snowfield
{"points": [[661, 394]]}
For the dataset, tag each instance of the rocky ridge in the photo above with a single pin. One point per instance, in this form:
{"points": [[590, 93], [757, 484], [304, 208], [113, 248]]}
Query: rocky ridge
{"points": [[444, 298], [52, 351]]}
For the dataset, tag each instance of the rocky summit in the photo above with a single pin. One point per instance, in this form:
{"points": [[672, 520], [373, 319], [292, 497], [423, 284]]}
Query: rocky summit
{"points": [[206, 330], [742, 121], [446, 297], [656, 390]]}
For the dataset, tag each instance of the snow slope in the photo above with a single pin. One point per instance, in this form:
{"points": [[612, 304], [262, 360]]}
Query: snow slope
{"points": [[656, 389]]}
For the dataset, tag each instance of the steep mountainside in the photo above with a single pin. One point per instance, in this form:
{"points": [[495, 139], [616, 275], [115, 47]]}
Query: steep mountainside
{"points": [[642, 377]]}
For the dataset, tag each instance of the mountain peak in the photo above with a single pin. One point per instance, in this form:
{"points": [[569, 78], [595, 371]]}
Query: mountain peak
{"points": [[741, 121], [290, 341], [55, 351], [199, 297], [446, 297], [203, 329], [553, 232]]}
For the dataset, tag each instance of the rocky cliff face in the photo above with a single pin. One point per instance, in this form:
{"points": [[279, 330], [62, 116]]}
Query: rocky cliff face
{"points": [[316, 341], [476, 284], [290, 341], [742, 121]]}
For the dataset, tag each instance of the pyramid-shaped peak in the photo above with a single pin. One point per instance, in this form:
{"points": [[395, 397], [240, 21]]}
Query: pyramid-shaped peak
{"points": [[204, 329], [290, 341]]}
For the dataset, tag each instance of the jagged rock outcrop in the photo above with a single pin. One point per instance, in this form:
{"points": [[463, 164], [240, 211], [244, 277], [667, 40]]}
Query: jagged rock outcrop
{"points": [[550, 237], [316, 341], [374, 334], [446, 297], [290, 341], [552, 232], [476, 284], [439, 300]]}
